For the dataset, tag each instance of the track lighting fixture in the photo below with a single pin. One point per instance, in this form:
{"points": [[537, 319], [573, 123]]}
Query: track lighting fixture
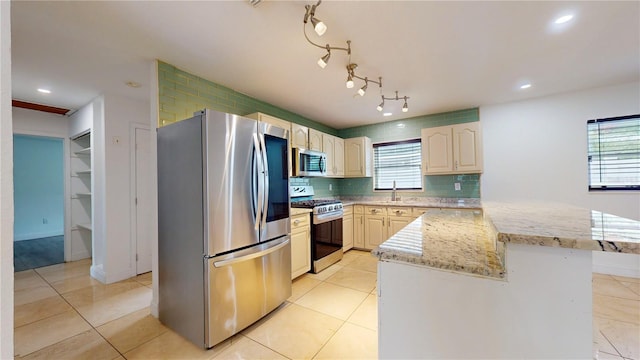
{"points": [[320, 28], [318, 25], [363, 89], [323, 61]]}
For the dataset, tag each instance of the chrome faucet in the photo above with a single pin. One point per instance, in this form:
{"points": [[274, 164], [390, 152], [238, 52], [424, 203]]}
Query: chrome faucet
{"points": [[393, 193]]}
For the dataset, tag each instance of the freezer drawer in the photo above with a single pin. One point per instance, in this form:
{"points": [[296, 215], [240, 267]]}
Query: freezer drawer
{"points": [[246, 285]]}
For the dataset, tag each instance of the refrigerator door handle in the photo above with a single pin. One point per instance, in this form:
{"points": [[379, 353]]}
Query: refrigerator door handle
{"points": [[258, 193], [265, 165], [262, 253]]}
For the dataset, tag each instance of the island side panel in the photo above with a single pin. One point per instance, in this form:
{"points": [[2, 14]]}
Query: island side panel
{"points": [[542, 310]]}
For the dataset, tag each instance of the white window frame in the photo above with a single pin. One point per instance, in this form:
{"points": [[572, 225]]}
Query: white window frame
{"points": [[398, 142]]}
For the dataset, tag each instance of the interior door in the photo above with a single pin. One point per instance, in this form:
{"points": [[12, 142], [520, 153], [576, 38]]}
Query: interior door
{"points": [[143, 220]]}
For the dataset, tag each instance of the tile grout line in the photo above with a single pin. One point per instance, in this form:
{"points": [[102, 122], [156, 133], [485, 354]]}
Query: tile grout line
{"points": [[82, 317]]}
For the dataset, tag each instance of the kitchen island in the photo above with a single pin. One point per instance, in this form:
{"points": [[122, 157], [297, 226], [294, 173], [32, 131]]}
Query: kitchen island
{"points": [[510, 281]]}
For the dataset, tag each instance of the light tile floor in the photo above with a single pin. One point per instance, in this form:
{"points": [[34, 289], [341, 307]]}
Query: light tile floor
{"points": [[61, 312]]}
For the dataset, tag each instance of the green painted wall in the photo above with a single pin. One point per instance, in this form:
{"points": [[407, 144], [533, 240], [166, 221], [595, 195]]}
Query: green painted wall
{"points": [[181, 94]]}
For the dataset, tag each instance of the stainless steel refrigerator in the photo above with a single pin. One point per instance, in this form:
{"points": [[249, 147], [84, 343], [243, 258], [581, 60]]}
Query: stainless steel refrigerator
{"points": [[224, 252]]}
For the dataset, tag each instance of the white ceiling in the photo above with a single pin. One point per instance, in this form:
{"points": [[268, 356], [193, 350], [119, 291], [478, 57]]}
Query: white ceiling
{"points": [[443, 55]]}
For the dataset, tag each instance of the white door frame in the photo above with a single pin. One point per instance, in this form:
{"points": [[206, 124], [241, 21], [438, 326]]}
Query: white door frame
{"points": [[132, 190], [67, 182]]}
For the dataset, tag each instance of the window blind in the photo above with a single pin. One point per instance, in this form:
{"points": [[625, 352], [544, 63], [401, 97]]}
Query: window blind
{"points": [[397, 161], [614, 153]]}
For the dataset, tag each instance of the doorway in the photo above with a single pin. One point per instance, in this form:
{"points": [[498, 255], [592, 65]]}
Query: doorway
{"points": [[141, 214], [38, 178]]}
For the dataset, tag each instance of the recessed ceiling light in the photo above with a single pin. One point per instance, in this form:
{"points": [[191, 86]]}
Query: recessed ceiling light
{"points": [[133, 84], [564, 19], [387, 114], [525, 86], [44, 91]]}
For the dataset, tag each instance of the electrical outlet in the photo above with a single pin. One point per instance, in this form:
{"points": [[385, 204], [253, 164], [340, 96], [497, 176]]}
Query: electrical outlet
{"points": [[115, 140], [45, 221], [330, 187], [457, 186]]}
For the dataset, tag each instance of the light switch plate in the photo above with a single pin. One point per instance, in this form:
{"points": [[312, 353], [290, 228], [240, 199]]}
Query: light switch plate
{"points": [[457, 186]]}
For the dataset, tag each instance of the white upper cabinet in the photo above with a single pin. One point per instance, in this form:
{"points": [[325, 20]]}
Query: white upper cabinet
{"points": [[270, 120], [334, 148], [454, 149], [357, 158], [299, 136], [467, 148], [315, 140]]}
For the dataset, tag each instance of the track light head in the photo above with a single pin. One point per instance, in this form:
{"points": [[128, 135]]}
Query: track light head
{"points": [[318, 26], [323, 61], [405, 107], [349, 82], [363, 89], [381, 106]]}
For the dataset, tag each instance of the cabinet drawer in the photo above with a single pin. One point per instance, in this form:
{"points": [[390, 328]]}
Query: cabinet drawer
{"points": [[347, 210], [399, 211], [299, 221], [358, 209], [375, 210]]}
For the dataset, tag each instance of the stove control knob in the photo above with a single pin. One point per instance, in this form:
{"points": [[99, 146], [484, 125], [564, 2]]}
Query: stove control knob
{"points": [[330, 207]]}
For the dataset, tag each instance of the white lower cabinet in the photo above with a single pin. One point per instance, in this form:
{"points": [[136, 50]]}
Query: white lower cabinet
{"points": [[300, 245], [373, 225], [347, 228]]}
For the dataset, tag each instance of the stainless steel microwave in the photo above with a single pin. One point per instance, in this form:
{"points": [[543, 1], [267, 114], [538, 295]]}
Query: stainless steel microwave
{"points": [[309, 162]]}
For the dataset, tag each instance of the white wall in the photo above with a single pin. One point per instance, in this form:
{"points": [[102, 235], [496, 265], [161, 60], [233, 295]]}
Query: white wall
{"points": [[114, 250], [6, 186], [153, 176], [536, 150]]}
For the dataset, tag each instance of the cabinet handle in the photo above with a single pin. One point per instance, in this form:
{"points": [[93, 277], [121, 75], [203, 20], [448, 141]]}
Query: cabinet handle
{"points": [[456, 168], [296, 222], [382, 221]]}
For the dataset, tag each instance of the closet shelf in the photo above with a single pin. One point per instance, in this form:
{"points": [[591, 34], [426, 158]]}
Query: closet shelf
{"points": [[83, 172], [85, 151], [85, 226], [84, 194]]}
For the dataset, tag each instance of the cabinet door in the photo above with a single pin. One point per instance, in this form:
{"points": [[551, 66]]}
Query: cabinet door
{"points": [[299, 136], [358, 231], [467, 153], [338, 156], [300, 252], [396, 224], [328, 147], [347, 232], [375, 231], [437, 150], [357, 158], [315, 140]]}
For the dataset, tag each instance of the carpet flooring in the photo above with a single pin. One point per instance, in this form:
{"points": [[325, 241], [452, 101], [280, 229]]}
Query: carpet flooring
{"points": [[31, 254]]}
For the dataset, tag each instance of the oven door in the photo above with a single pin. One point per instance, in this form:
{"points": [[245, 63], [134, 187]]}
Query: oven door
{"points": [[326, 238]]}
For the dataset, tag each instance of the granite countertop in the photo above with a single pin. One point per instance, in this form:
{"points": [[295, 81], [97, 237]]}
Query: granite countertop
{"points": [[561, 225], [449, 239], [466, 241], [298, 211]]}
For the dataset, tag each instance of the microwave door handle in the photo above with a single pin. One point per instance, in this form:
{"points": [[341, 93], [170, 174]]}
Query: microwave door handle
{"points": [[265, 183], [322, 164], [258, 189]]}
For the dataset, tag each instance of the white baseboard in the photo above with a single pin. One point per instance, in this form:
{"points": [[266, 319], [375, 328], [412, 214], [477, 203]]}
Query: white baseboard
{"points": [[616, 270], [31, 236], [80, 255], [97, 272], [154, 308], [115, 276]]}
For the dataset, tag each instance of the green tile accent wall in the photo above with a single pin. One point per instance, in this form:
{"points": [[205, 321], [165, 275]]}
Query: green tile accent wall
{"points": [[181, 94]]}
